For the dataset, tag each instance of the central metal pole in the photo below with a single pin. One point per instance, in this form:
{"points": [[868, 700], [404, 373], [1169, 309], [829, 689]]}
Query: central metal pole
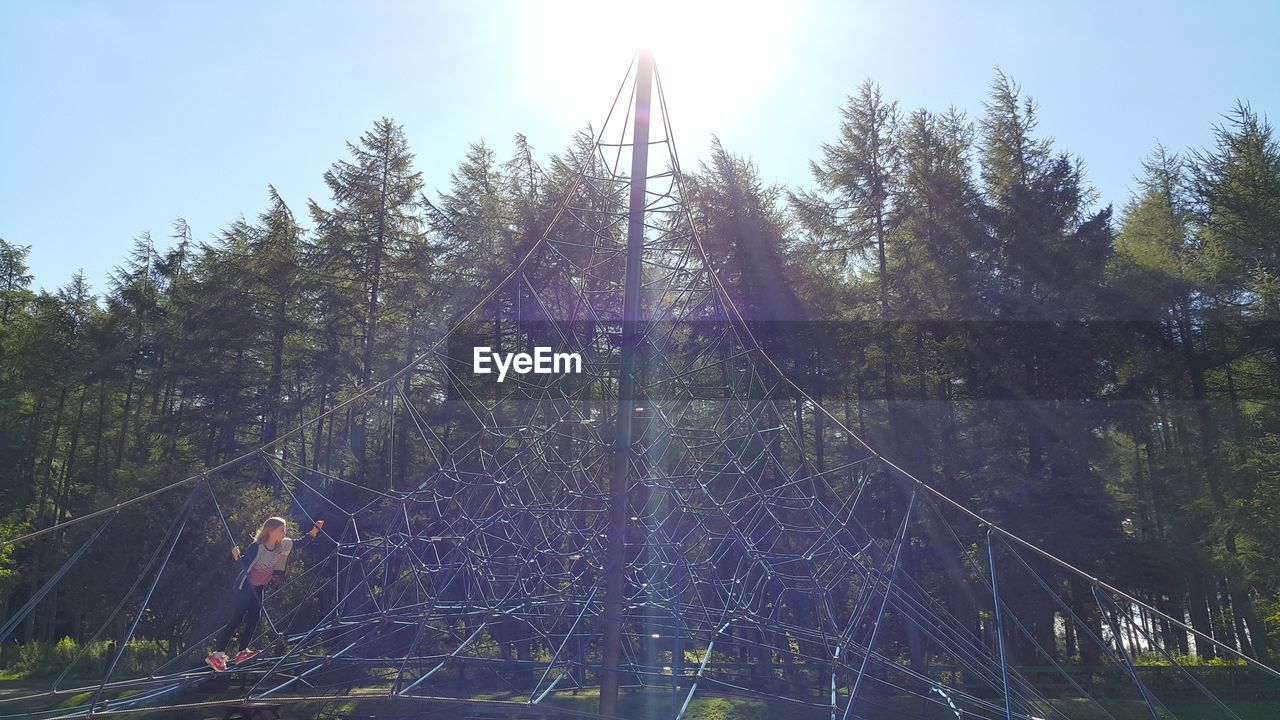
{"points": [[619, 507]]}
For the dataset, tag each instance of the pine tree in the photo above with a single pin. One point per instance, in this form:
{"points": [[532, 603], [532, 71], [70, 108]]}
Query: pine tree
{"points": [[360, 244], [14, 279], [1045, 276], [1236, 186], [1156, 271], [745, 234], [277, 291], [373, 221], [852, 214]]}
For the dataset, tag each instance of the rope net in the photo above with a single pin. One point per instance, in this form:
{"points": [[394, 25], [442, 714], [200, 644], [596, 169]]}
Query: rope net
{"points": [[467, 526]]}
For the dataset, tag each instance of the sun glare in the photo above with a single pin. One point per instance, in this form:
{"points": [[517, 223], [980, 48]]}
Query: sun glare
{"points": [[714, 57]]}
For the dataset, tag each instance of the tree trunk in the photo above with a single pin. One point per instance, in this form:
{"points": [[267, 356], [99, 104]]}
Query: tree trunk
{"points": [[124, 419], [69, 464], [1200, 619], [97, 432]]}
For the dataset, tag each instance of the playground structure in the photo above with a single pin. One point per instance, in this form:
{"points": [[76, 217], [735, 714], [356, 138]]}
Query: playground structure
{"points": [[660, 523]]}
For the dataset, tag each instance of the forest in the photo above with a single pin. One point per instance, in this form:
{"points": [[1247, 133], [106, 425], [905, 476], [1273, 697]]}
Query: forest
{"points": [[1094, 374]]}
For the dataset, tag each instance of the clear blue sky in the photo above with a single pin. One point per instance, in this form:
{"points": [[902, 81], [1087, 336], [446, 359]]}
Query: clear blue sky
{"points": [[117, 117]]}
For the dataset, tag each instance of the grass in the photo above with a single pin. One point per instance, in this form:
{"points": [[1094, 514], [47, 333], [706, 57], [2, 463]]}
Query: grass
{"points": [[656, 704]]}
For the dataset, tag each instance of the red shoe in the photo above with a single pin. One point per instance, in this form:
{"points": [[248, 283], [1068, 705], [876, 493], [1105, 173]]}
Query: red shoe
{"points": [[217, 661], [244, 655]]}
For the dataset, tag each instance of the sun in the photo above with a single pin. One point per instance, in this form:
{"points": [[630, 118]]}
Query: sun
{"points": [[715, 57]]}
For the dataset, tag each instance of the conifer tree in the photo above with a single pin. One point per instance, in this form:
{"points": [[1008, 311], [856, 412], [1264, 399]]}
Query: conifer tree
{"points": [[360, 244]]}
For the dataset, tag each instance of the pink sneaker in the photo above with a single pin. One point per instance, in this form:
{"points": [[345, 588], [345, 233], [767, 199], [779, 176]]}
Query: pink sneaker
{"points": [[217, 661], [244, 655]]}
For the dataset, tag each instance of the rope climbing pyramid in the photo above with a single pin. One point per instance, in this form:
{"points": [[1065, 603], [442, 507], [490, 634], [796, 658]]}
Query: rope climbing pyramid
{"points": [[639, 529]]}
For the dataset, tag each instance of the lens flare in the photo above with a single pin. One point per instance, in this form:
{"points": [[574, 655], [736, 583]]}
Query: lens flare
{"points": [[716, 58]]}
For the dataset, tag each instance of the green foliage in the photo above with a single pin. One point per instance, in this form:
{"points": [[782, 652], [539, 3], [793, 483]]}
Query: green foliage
{"points": [[1157, 659], [39, 661], [9, 572]]}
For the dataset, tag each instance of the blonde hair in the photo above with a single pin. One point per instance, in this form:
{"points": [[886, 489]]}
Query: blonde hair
{"points": [[268, 525]]}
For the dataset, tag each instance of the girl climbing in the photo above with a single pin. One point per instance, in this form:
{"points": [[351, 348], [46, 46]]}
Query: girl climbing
{"points": [[265, 559]]}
